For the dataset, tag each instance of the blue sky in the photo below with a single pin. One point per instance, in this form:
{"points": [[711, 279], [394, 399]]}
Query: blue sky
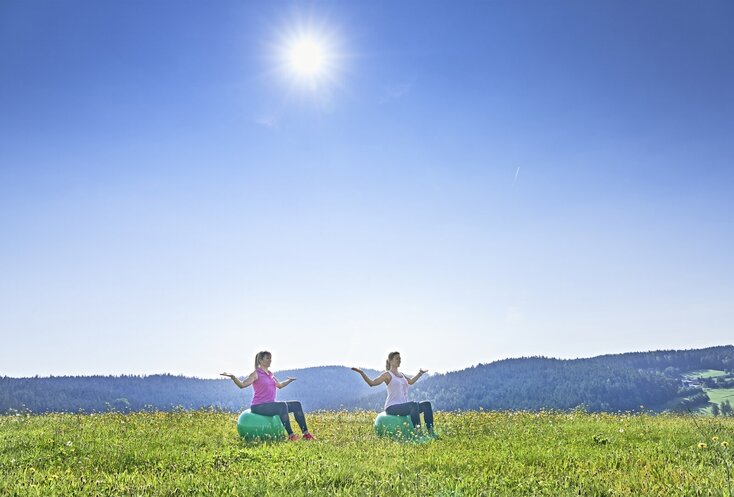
{"points": [[469, 182]]}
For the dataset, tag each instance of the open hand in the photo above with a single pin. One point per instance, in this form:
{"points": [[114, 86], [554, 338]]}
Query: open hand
{"points": [[226, 374], [423, 371], [357, 370]]}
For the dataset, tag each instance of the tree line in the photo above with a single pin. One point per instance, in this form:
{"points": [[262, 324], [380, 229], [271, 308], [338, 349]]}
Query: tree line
{"points": [[623, 382]]}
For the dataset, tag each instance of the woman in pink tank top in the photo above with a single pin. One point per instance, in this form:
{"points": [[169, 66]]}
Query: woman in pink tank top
{"points": [[397, 403], [264, 386]]}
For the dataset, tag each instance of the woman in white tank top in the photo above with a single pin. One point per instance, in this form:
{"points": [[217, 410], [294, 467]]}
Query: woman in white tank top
{"points": [[397, 403]]}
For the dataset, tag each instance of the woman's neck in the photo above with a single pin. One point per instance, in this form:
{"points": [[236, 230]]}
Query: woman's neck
{"points": [[395, 371]]}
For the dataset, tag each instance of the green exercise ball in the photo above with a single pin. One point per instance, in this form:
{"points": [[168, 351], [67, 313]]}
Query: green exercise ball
{"points": [[399, 427], [253, 426]]}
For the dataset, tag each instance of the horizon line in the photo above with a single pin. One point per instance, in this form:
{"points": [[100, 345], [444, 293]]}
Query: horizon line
{"points": [[216, 377]]}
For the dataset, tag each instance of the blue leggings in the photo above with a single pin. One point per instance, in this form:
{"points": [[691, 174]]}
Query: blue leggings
{"points": [[413, 409], [282, 409]]}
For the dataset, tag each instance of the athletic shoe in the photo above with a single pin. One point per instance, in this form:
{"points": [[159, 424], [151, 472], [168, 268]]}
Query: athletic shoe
{"points": [[292, 437], [308, 436]]}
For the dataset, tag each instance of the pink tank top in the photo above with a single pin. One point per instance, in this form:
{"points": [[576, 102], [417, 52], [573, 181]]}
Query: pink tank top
{"points": [[264, 388]]}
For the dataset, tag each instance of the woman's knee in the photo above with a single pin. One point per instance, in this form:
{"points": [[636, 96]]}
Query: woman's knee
{"points": [[294, 405]]}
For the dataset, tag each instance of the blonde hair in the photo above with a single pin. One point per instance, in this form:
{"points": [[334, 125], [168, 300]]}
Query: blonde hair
{"points": [[260, 356], [390, 358]]}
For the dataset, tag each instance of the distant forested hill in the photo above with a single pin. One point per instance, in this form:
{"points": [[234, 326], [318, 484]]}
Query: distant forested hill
{"points": [[605, 383], [326, 387]]}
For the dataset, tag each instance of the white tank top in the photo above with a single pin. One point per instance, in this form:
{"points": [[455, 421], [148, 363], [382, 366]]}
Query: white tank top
{"points": [[397, 390]]}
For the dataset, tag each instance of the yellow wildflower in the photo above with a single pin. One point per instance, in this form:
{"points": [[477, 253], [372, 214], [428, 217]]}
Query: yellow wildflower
{"points": [[714, 439], [702, 445], [725, 444]]}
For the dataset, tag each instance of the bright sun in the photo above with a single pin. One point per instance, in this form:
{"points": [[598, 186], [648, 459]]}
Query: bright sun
{"points": [[307, 57], [310, 57]]}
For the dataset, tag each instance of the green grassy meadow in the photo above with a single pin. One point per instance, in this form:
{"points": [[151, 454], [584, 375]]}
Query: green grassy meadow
{"points": [[191, 453], [705, 373], [716, 395]]}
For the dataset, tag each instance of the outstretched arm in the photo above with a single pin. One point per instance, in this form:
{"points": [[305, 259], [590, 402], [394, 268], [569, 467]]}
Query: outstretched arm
{"points": [[383, 378], [242, 384], [287, 382], [415, 378]]}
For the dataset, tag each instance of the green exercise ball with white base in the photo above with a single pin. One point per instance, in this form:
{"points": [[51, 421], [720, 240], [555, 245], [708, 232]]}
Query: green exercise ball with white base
{"points": [[398, 427], [253, 426]]}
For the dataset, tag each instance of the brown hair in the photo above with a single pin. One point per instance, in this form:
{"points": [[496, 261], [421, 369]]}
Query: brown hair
{"points": [[260, 356], [389, 358]]}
